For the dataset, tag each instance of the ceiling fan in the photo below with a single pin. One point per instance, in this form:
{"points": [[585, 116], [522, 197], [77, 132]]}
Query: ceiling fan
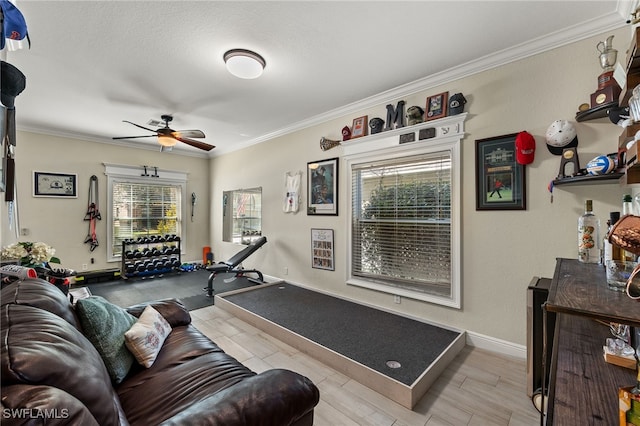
{"points": [[168, 137]]}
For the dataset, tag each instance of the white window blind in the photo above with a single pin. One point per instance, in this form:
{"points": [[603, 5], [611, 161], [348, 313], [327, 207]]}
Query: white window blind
{"points": [[401, 222], [143, 210]]}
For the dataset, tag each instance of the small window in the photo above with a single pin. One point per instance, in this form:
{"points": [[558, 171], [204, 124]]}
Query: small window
{"points": [[144, 210], [143, 207], [242, 221]]}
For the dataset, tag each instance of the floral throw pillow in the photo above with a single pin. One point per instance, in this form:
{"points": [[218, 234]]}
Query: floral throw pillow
{"points": [[146, 337]]}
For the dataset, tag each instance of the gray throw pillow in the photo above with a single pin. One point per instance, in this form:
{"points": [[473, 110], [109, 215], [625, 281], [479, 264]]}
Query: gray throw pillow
{"points": [[104, 324]]}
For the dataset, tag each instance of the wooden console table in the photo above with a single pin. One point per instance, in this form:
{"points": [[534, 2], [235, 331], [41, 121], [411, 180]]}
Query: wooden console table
{"points": [[583, 388]]}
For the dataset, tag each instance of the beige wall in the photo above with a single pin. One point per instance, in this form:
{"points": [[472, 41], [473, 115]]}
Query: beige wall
{"points": [[501, 250], [60, 222]]}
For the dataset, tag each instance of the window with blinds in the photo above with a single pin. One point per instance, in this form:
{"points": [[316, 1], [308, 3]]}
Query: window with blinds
{"points": [[401, 230], [143, 210]]}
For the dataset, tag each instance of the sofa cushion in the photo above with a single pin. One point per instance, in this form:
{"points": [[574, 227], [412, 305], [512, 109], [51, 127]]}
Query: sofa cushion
{"points": [[40, 348], [189, 368], [104, 324], [144, 340], [40, 294], [172, 310]]}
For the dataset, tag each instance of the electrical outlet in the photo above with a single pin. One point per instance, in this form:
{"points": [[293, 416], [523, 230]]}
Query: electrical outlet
{"points": [[286, 270], [396, 298], [24, 231], [85, 266]]}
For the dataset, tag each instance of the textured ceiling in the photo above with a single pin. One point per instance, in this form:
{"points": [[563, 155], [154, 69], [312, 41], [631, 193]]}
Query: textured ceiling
{"points": [[93, 64]]}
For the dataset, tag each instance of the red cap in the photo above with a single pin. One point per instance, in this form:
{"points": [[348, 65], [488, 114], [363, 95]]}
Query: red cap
{"points": [[525, 148]]}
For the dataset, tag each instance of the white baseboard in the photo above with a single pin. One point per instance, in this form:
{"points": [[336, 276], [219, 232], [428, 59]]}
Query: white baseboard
{"points": [[494, 344]]}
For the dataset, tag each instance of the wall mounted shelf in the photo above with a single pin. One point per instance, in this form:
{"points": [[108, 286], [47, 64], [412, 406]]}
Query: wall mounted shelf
{"points": [[600, 111], [589, 179]]}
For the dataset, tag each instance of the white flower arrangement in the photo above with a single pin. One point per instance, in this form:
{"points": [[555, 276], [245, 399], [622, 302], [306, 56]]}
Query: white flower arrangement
{"points": [[29, 253]]}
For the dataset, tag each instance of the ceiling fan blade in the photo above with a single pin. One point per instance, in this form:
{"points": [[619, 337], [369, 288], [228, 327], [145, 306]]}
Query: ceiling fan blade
{"points": [[142, 127], [134, 137], [188, 134], [196, 144]]}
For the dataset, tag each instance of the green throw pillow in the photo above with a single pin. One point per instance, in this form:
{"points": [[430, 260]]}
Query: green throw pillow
{"points": [[104, 324]]}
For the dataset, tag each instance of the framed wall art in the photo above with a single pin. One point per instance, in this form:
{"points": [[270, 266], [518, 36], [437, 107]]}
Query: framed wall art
{"points": [[500, 180], [437, 106], [46, 184], [322, 187], [359, 127], [322, 249]]}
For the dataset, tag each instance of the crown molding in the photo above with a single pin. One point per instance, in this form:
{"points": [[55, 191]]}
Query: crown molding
{"points": [[572, 34]]}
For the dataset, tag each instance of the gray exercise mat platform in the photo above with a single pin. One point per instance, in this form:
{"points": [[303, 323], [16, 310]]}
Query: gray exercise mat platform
{"points": [[396, 356]]}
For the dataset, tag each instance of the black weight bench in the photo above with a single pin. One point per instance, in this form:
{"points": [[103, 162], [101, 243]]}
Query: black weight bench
{"points": [[231, 265]]}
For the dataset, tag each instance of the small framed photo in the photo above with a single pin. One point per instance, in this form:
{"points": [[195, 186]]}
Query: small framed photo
{"points": [[322, 249], [359, 127], [500, 179], [63, 185], [436, 106], [322, 187]]}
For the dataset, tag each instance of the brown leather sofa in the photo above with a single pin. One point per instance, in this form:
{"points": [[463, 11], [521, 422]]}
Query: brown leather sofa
{"points": [[51, 373]]}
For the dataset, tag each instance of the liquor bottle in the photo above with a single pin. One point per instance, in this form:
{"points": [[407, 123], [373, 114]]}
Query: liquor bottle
{"points": [[588, 235], [627, 205]]}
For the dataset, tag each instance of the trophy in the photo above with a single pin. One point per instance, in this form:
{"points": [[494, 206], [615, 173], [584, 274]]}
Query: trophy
{"points": [[608, 89]]}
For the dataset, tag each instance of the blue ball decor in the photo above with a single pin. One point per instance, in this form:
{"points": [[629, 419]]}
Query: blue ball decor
{"points": [[601, 165]]}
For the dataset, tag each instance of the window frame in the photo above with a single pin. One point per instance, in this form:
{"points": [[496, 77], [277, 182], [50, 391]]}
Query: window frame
{"points": [[132, 174], [449, 134]]}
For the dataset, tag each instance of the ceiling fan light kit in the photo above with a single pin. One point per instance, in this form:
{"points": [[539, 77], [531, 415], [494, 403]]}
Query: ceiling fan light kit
{"points": [[244, 63], [166, 140], [167, 137]]}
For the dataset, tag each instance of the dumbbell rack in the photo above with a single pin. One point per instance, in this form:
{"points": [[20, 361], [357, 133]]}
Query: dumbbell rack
{"points": [[147, 257]]}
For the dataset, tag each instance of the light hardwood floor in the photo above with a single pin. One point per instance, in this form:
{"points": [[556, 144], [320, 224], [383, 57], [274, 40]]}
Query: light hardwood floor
{"points": [[478, 387]]}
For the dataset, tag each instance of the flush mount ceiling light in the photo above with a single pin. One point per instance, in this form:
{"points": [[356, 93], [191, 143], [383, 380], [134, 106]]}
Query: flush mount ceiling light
{"points": [[244, 63]]}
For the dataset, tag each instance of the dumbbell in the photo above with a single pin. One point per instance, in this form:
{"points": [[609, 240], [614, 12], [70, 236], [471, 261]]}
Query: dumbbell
{"points": [[140, 266], [128, 254]]}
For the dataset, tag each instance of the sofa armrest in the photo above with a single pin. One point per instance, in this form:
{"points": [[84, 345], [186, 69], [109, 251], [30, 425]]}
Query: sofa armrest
{"points": [[172, 310], [40, 404], [275, 397]]}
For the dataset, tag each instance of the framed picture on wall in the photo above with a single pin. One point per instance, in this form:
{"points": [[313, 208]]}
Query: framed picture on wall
{"points": [[322, 187], [47, 184], [322, 249], [500, 179], [359, 127], [436, 106]]}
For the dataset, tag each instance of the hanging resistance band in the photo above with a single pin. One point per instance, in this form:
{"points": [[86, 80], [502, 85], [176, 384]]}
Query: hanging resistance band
{"points": [[93, 213]]}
